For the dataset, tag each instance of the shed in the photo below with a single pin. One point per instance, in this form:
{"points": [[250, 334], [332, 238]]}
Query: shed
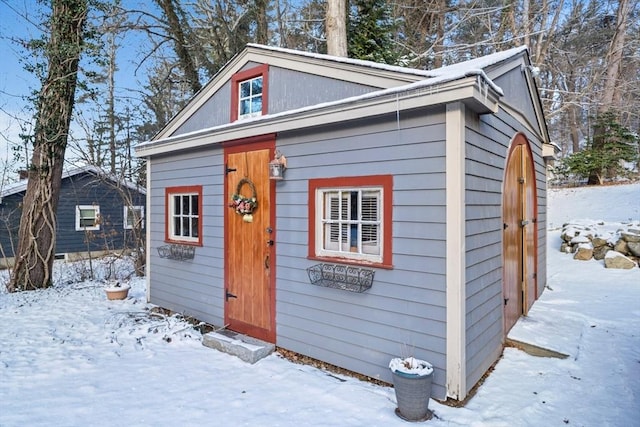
{"points": [[97, 213], [410, 217]]}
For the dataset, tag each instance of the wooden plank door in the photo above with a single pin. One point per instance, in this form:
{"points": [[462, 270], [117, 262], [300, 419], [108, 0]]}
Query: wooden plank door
{"points": [[529, 230], [249, 255], [519, 212]]}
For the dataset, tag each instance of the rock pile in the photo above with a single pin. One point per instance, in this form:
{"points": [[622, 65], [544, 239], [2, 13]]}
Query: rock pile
{"points": [[617, 244]]}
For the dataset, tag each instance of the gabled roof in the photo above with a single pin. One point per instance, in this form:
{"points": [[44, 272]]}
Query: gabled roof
{"points": [[399, 88], [21, 185]]}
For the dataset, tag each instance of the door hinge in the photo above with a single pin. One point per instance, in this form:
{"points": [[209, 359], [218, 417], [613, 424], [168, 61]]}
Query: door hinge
{"points": [[227, 169], [229, 295], [506, 300]]}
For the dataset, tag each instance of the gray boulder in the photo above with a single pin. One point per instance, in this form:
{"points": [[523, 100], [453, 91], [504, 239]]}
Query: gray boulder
{"points": [[630, 237], [634, 248], [584, 252], [615, 259]]}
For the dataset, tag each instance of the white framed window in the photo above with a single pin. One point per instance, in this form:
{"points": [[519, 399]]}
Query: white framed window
{"points": [[350, 223], [249, 92], [87, 217], [133, 215], [250, 98], [351, 220], [183, 220]]}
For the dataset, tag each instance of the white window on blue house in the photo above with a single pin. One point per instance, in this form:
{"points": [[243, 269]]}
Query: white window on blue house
{"points": [[87, 217], [133, 217], [250, 98]]}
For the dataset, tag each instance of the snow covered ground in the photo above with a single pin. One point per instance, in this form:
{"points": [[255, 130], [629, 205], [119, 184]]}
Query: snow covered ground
{"points": [[69, 357]]}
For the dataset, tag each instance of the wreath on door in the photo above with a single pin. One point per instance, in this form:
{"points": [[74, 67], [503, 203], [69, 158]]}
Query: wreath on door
{"points": [[245, 205]]}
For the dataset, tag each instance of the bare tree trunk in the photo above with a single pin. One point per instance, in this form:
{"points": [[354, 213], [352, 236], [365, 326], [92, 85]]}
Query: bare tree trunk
{"points": [[614, 58], [180, 44], [610, 89], [438, 47], [36, 237], [111, 101], [262, 26], [337, 28]]}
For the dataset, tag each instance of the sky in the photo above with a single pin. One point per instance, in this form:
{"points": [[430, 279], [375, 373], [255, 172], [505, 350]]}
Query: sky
{"points": [[69, 357], [19, 21]]}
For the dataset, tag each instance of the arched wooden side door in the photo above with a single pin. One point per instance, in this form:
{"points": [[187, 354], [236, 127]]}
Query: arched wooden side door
{"points": [[519, 212], [249, 245]]}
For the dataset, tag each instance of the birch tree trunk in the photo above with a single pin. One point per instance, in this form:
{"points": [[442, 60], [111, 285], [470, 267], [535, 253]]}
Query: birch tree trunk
{"points": [[337, 28], [37, 233]]}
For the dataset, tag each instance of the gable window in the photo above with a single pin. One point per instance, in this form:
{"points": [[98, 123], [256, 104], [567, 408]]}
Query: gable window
{"points": [[183, 214], [350, 219], [249, 93], [87, 217], [250, 98], [133, 215]]}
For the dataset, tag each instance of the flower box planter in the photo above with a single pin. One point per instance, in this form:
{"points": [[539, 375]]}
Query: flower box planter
{"points": [[177, 252], [353, 279]]}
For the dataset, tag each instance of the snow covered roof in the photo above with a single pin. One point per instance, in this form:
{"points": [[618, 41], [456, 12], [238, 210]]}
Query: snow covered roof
{"points": [[432, 83], [21, 185], [344, 60]]}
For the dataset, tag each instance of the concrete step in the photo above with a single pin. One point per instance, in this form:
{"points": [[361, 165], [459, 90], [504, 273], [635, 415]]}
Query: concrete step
{"points": [[246, 348]]}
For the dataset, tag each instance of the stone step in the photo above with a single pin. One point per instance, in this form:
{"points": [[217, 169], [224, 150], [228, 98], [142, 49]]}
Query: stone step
{"points": [[246, 348]]}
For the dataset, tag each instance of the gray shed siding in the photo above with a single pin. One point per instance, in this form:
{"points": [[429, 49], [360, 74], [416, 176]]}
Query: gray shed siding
{"points": [[487, 145], [404, 312], [288, 90], [194, 287]]}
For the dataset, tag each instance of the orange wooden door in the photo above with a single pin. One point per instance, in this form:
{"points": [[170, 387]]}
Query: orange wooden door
{"points": [[519, 212], [529, 230], [249, 254]]}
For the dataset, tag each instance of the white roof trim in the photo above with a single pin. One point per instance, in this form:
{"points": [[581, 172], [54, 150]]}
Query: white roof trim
{"points": [[475, 89]]}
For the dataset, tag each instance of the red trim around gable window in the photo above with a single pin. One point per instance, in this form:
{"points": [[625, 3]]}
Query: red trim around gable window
{"points": [[384, 181], [168, 192], [262, 70]]}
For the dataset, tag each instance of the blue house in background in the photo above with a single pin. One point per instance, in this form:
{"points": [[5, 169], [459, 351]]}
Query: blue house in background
{"points": [[97, 214]]}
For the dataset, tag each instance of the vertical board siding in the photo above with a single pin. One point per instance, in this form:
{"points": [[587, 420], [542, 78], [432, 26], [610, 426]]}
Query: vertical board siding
{"points": [[487, 144], [404, 311], [194, 287]]}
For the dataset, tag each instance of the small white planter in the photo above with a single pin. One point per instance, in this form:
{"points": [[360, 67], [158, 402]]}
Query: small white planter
{"points": [[117, 292]]}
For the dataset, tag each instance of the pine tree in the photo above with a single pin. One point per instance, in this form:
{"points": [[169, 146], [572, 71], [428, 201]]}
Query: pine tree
{"points": [[370, 32]]}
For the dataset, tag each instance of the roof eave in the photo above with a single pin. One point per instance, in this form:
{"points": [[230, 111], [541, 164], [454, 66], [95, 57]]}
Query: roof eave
{"points": [[474, 91]]}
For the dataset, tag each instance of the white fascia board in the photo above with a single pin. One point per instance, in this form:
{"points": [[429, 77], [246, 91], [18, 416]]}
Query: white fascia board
{"points": [[456, 372], [472, 91], [368, 76]]}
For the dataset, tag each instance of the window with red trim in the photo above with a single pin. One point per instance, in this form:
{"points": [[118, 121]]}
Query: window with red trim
{"points": [[249, 93], [350, 219], [183, 218]]}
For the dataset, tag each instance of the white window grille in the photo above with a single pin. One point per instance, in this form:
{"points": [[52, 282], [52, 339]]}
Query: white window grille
{"points": [[350, 223], [87, 217]]}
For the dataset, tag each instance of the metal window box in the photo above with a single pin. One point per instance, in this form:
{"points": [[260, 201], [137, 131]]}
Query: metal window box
{"points": [[177, 252], [348, 278]]}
